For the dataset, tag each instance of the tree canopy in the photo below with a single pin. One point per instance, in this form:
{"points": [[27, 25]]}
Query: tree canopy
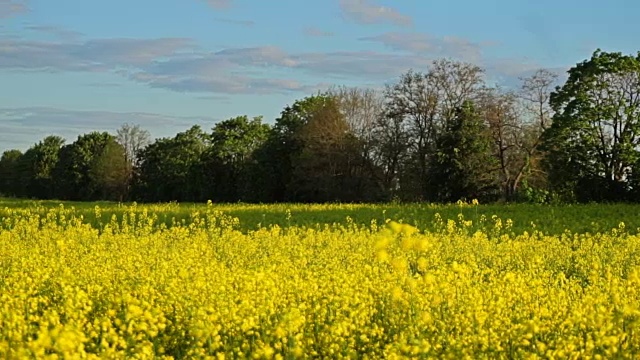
{"points": [[441, 134], [593, 140]]}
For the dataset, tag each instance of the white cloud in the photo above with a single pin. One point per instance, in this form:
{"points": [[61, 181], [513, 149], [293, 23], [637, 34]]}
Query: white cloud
{"points": [[246, 23], [227, 71], [257, 56], [104, 84], [219, 4], [226, 84], [9, 8], [366, 12], [424, 44], [315, 32], [177, 64], [57, 31], [92, 55]]}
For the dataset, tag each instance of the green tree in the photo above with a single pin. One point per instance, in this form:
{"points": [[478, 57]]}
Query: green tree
{"points": [[363, 110], [229, 165], [110, 172], [421, 105], [313, 155], [11, 183], [38, 164], [72, 173], [592, 143], [319, 168], [283, 145], [167, 167], [463, 166]]}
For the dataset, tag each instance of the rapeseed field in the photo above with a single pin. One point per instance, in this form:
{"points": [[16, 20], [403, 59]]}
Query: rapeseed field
{"points": [[205, 288]]}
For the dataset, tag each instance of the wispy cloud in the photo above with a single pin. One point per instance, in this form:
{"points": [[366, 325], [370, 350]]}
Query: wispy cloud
{"points": [[365, 65], [9, 8], [229, 84], [174, 64], [425, 44], [24, 125], [104, 85], [257, 56], [179, 65], [228, 70], [219, 4], [57, 31], [246, 23], [92, 55], [367, 12], [315, 32], [216, 98]]}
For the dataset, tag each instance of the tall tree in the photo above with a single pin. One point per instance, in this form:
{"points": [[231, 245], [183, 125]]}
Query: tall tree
{"points": [[463, 166], [109, 172], [73, 170], [535, 94], [11, 183], [593, 141], [168, 167], [133, 139], [500, 112], [413, 104], [229, 164], [391, 151], [38, 164], [283, 145], [423, 104], [517, 120], [322, 163], [311, 154], [363, 110]]}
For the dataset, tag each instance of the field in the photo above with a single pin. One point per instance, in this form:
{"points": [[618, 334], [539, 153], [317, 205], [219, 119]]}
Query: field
{"points": [[289, 281]]}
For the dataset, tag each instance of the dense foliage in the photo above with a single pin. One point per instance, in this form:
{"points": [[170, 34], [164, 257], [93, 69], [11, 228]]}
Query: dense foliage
{"points": [[136, 288], [439, 136], [593, 141]]}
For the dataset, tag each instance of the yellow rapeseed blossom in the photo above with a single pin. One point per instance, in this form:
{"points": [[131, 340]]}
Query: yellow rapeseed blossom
{"points": [[134, 288]]}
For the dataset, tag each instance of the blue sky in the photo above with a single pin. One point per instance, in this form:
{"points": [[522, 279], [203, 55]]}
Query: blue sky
{"points": [[68, 67]]}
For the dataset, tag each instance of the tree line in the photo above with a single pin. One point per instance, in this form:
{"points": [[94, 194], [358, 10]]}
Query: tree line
{"points": [[440, 135]]}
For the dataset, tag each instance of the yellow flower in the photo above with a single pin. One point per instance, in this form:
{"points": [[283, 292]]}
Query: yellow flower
{"points": [[208, 288]]}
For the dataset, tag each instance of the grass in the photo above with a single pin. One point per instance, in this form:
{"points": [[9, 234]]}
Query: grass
{"points": [[551, 220]]}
